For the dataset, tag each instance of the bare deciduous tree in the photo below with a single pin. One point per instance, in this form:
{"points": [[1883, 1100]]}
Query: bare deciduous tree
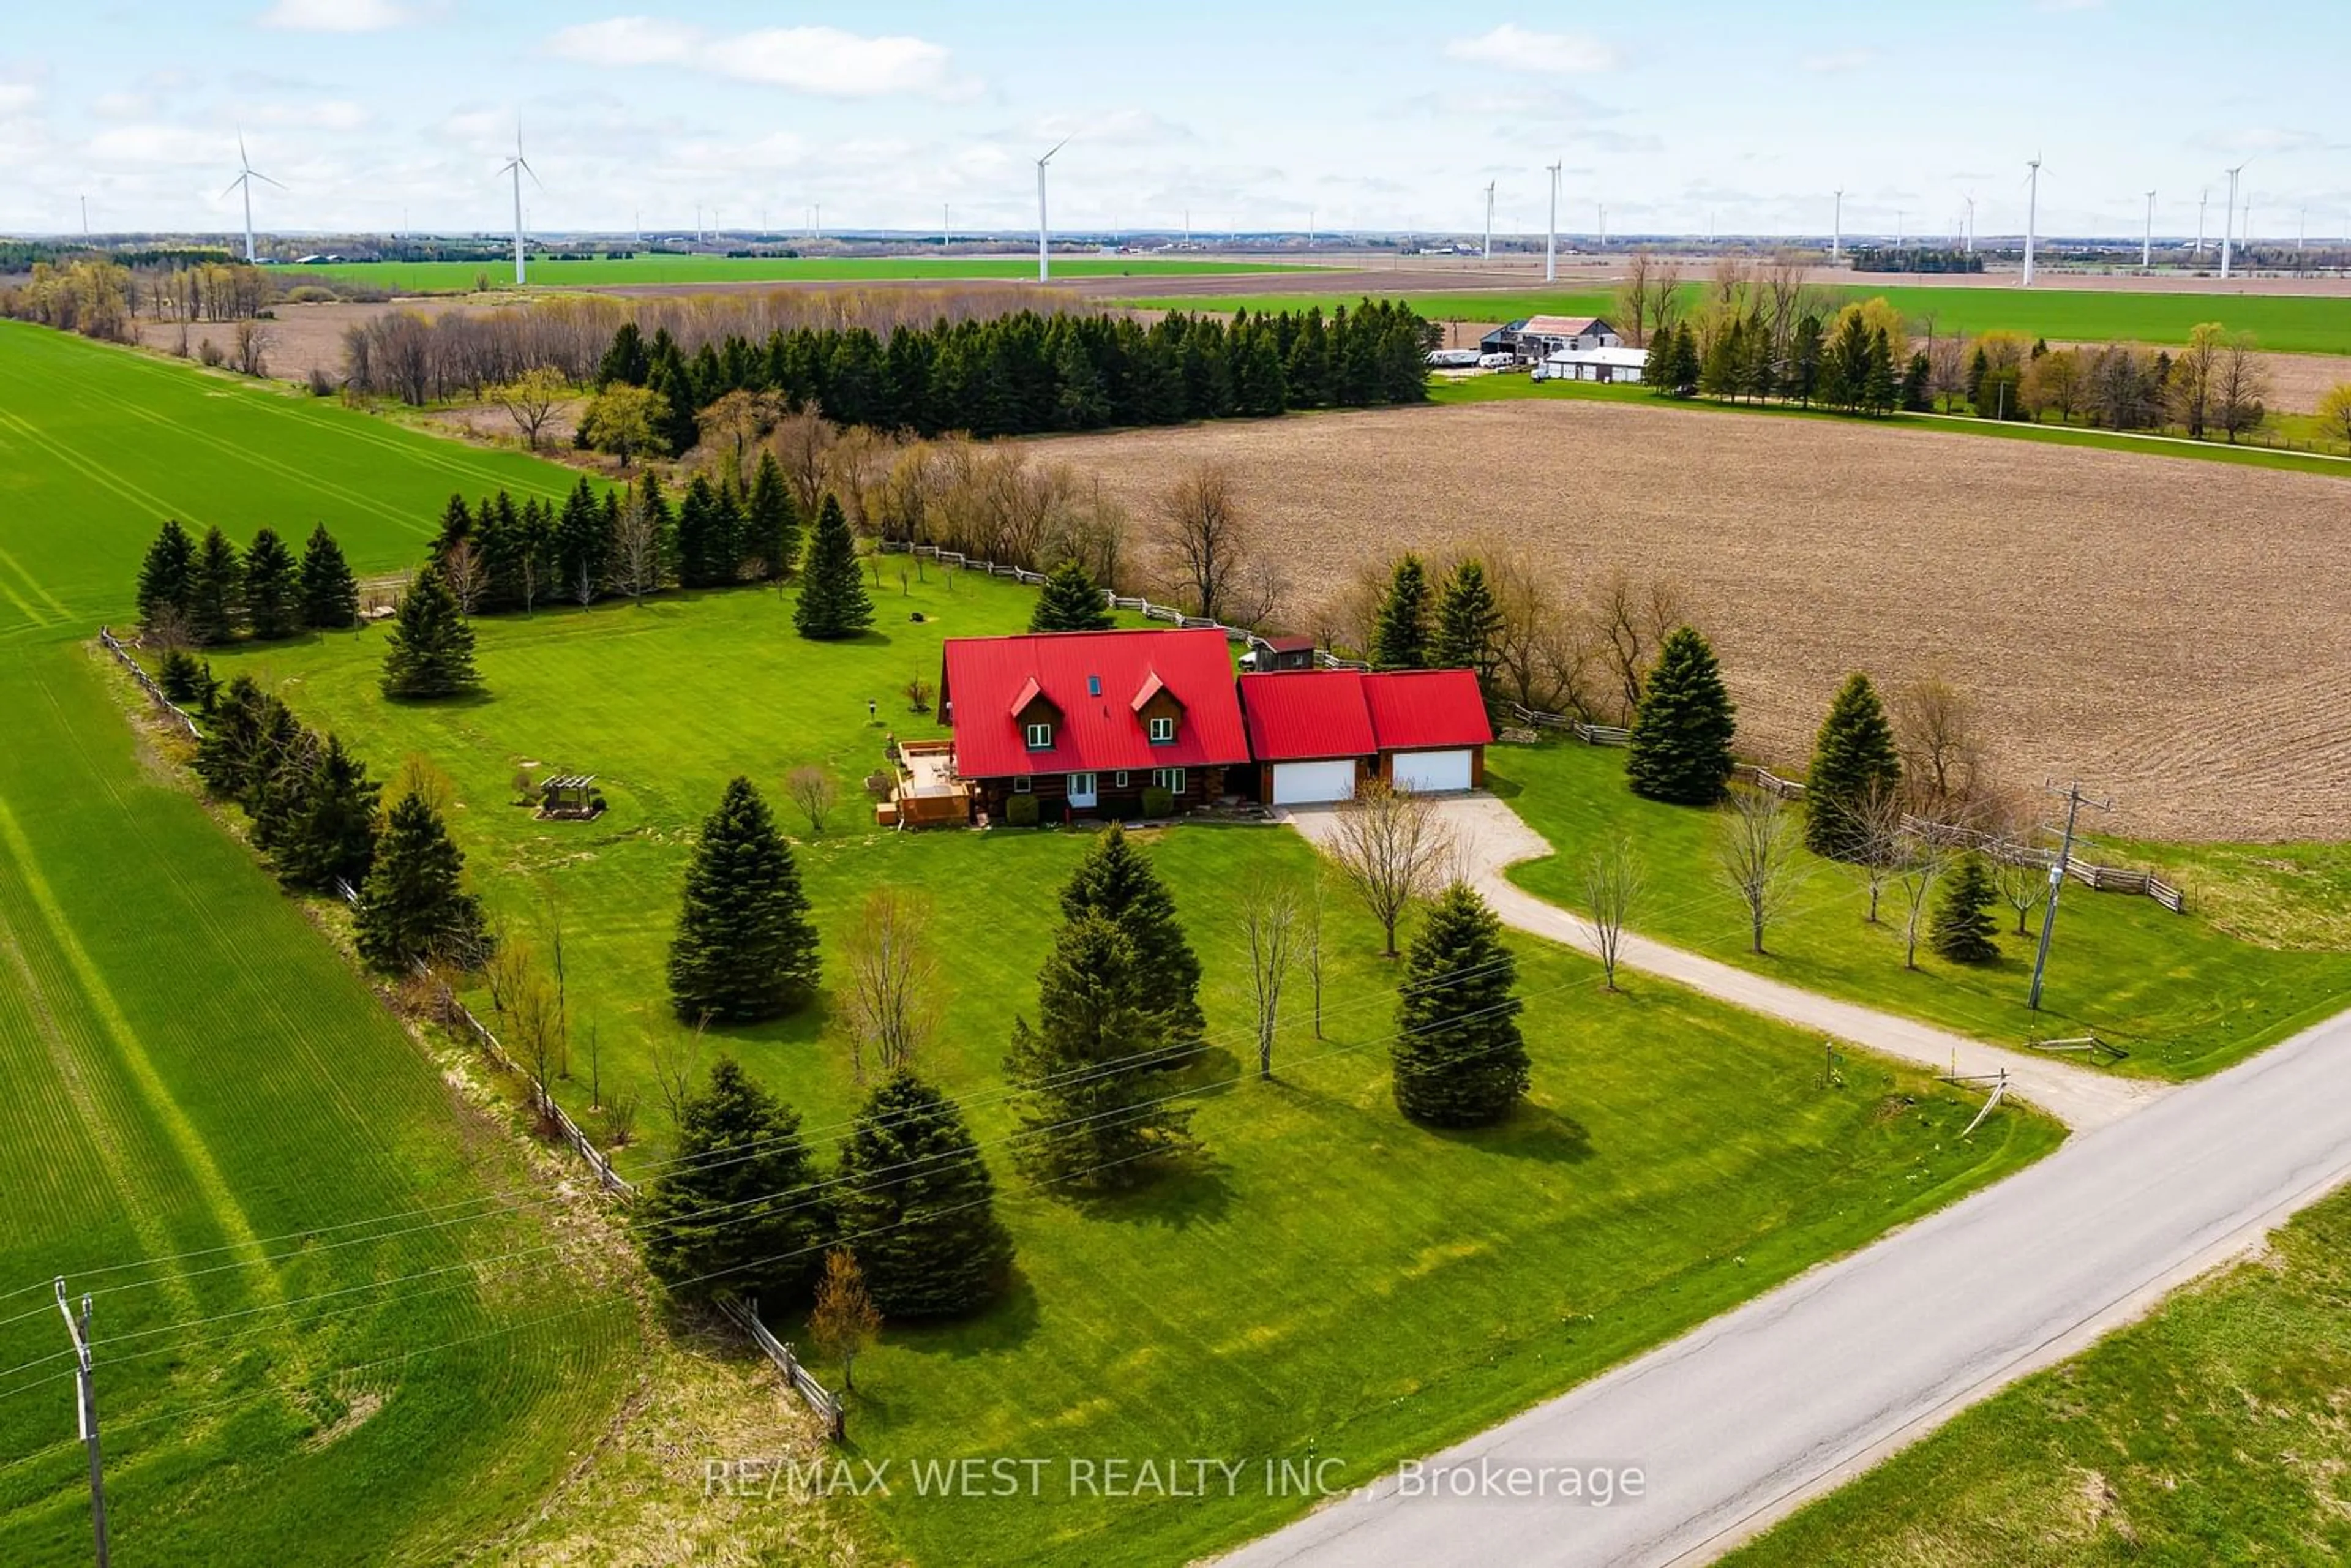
{"points": [[1935, 733], [2240, 388], [845, 1322], [1611, 886], [811, 788], [535, 1029], [635, 564], [1201, 532], [891, 1002], [1758, 854], [734, 426], [1271, 924], [530, 400], [1878, 817], [1629, 622], [1927, 859], [1390, 848], [253, 341], [466, 573], [677, 1067], [800, 442]]}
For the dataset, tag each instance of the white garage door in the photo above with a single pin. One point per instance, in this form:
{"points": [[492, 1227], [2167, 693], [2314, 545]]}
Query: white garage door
{"points": [[1430, 772], [1311, 783]]}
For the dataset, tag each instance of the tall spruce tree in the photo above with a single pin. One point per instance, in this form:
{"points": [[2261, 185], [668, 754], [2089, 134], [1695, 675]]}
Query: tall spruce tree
{"points": [[1457, 1055], [1092, 1107], [833, 602], [1070, 603], [166, 575], [216, 590], [772, 522], [330, 836], [745, 948], [1685, 362], [430, 647], [1400, 636], [281, 782], [1468, 623], [1855, 764], [1680, 747], [917, 1206], [578, 547], [330, 594], [704, 557], [737, 1210], [413, 904], [1116, 881], [272, 587], [1964, 925]]}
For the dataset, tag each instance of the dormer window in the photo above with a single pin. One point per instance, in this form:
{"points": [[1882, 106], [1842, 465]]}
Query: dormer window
{"points": [[1161, 731], [1040, 738]]}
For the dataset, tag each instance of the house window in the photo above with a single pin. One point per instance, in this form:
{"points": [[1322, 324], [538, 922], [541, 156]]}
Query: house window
{"points": [[1118, 780], [1040, 738], [1163, 731], [1168, 778], [1021, 783]]}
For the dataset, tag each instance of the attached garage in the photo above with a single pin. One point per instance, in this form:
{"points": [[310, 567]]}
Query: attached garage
{"points": [[1430, 772], [1312, 783]]}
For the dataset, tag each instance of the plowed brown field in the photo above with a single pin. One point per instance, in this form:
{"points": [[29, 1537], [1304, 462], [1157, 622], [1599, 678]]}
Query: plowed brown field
{"points": [[2175, 633]]}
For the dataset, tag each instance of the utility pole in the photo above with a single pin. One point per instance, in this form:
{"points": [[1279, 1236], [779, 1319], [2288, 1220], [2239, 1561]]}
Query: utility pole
{"points": [[86, 1412], [2074, 800]]}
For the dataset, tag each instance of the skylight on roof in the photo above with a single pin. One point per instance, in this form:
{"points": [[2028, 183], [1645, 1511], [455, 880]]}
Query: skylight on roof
{"points": [[1094, 685]]}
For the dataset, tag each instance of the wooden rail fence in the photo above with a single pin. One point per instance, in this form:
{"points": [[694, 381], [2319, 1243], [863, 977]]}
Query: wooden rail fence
{"points": [[178, 715], [1590, 734], [815, 1394]]}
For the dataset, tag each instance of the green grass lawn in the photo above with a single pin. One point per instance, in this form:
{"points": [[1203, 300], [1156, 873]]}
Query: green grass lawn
{"points": [[2213, 1432], [1514, 387], [190, 1069], [1331, 1279], [2184, 996], [2285, 323], [455, 277]]}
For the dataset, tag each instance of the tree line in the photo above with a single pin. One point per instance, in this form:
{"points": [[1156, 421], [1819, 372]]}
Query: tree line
{"points": [[205, 592], [1027, 372]]}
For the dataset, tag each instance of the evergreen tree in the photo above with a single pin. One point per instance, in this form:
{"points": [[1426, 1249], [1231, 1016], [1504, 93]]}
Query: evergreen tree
{"points": [[917, 1206], [1853, 763], [281, 778], [1089, 1100], [330, 594], [431, 651], [1978, 367], [833, 602], [185, 681], [582, 537], [413, 904], [1070, 603], [1685, 362], [1459, 1058], [271, 587], [771, 525], [1879, 389], [1400, 636], [1657, 369], [737, 1210], [1719, 375], [1964, 925], [1916, 378], [227, 757], [330, 836], [216, 590], [1468, 623], [625, 359], [1116, 881], [456, 523], [704, 557], [167, 575], [1804, 378], [745, 949], [1681, 731]]}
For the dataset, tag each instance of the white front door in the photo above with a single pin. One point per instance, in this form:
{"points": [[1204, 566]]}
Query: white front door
{"points": [[1081, 789], [1432, 772], [1313, 783]]}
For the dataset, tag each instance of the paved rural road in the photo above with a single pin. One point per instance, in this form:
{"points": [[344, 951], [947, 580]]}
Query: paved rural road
{"points": [[1750, 1414]]}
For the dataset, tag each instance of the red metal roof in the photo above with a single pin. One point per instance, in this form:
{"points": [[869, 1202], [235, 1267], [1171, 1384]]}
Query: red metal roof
{"points": [[1307, 715], [1320, 714], [1093, 677]]}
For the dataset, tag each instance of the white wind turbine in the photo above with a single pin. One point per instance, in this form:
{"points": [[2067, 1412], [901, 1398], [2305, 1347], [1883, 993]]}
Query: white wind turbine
{"points": [[2031, 214], [1837, 228], [1971, 223], [1551, 236], [1044, 264], [518, 166], [2147, 240], [2229, 220], [1487, 254], [245, 175]]}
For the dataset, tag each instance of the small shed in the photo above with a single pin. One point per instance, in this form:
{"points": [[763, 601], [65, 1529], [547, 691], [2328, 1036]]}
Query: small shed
{"points": [[1266, 655], [570, 797]]}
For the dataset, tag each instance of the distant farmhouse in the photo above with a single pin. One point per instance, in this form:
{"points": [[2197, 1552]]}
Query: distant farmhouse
{"points": [[1534, 338], [1084, 722]]}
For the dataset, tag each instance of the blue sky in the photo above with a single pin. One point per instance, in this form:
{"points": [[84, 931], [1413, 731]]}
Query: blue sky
{"points": [[1375, 114]]}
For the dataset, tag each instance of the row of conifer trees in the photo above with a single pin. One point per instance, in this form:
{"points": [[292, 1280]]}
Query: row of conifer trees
{"points": [[1024, 373], [205, 591]]}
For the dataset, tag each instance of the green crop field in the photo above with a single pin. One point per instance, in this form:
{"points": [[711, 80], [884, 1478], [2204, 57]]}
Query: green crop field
{"points": [[2210, 1433], [2184, 996], [2298, 324], [1332, 1278], [454, 277]]}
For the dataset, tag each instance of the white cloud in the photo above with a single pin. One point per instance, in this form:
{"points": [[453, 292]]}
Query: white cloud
{"points": [[334, 15], [18, 97], [1555, 53], [2073, 5], [123, 105], [1837, 60], [822, 60], [147, 144], [331, 114]]}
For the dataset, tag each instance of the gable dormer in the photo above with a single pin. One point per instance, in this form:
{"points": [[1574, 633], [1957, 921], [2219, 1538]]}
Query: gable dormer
{"points": [[1039, 717], [1159, 710]]}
